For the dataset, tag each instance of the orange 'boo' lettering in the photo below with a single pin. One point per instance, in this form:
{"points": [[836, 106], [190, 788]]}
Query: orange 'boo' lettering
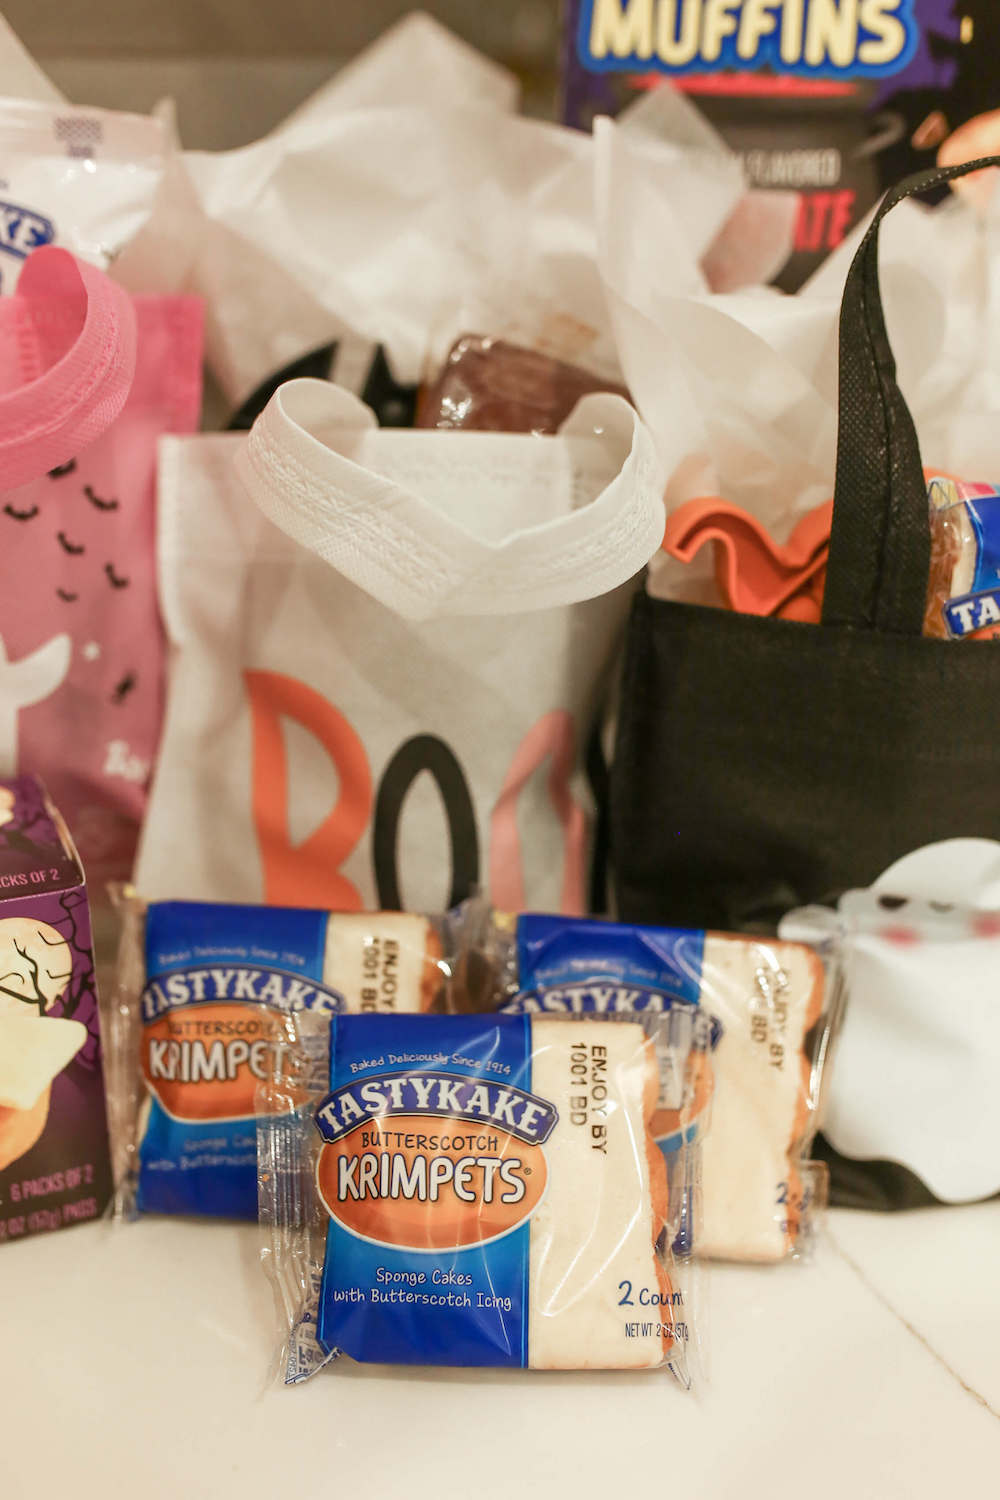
{"points": [[306, 874]]}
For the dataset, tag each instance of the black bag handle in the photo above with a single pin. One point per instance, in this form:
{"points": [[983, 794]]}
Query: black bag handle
{"points": [[880, 547]]}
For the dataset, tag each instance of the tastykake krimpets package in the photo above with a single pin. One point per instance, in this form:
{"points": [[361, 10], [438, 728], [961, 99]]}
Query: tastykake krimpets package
{"points": [[201, 993], [55, 1167], [759, 1061], [472, 1190], [963, 596]]}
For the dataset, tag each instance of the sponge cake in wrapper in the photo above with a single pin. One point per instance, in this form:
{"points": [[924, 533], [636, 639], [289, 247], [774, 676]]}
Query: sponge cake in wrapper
{"points": [[954, 551], [767, 995], [383, 961], [603, 1210], [750, 1078], [488, 1193]]}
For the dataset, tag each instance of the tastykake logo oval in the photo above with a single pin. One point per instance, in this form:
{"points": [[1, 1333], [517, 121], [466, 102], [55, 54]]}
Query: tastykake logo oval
{"points": [[206, 1062], [430, 1182]]}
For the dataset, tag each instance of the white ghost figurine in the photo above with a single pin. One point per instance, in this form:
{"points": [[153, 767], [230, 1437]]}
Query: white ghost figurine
{"points": [[913, 1073]]}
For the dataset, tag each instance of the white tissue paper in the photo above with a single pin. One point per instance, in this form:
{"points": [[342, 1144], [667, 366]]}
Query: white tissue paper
{"points": [[740, 237], [406, 204], [82, 178], [401, 215], [407, 65], [739, 388], [20, 75]]}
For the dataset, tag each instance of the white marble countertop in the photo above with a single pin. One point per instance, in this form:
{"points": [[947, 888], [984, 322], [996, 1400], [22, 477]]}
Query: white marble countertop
{"points": [[135, 1359]]}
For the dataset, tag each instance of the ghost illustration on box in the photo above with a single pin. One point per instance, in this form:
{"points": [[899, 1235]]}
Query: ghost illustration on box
{"points": [[36, 965]]}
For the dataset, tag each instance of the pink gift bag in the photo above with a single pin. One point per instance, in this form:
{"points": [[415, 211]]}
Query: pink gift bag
{"points": [[89, 380]]}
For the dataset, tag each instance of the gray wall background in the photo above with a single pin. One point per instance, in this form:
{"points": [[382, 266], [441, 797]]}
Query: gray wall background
{"points": [[236, 67]]}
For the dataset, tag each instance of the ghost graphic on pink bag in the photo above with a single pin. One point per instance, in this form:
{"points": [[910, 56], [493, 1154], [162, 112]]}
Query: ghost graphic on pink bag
{"points": [[81, 643]]}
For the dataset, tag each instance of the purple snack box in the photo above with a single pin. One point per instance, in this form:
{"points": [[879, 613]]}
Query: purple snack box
{"points": [[55, 1167], [834, 102]]}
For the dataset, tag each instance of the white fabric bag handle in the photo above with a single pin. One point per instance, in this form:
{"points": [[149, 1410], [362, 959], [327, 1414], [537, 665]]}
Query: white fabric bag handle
{"points": [[307, 463]]}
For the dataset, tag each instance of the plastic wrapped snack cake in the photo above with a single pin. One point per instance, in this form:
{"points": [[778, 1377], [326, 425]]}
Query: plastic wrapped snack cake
{"points": [[203, 991], [487, 1191], [757, 1055], [963, 596]]}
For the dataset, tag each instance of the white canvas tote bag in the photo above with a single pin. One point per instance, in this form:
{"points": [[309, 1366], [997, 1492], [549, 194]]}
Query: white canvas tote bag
{"points": [[387, 651]]}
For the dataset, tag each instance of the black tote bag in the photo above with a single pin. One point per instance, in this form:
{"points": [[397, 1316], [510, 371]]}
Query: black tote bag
{"points": [[760, 763]]}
